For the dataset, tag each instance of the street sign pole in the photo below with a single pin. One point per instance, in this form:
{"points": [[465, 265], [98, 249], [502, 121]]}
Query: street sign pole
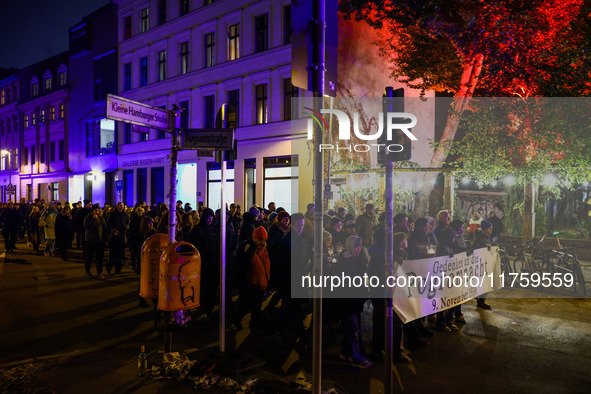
{"points": [[389, 326], [223, 257], [318, 57]]}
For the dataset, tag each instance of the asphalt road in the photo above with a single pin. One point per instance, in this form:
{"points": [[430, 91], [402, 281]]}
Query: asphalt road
{"points": [[48, 307]]}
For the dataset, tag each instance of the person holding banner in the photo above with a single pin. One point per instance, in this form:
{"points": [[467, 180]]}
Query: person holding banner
{"points": [[480, 238], [353, 263], [445, 237]]}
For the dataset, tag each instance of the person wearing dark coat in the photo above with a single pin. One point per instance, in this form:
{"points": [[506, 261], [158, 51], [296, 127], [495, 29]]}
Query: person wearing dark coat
{"points": [[418, 241], [118, 219], [480, 238], [134, 237], [10, 220], [64, 232], [249, 224], [205, 238], [95, 239], [352, 263], [230, 249], [445, 239], [278, 257], [116, 251], [82, 213]]}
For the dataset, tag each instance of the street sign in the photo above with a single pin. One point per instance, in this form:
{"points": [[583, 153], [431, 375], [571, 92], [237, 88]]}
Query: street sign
{"points": [[10, 189], [128, 111], [119, 185], [208, 139]]}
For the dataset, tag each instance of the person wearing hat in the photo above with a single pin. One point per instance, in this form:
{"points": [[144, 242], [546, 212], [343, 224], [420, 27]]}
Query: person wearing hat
{"points": [[95, 238], [480, 238], [249, 223], [253, 268], [206, 239], [272, 219]]}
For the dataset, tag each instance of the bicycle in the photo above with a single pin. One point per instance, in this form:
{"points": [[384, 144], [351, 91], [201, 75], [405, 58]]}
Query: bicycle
{"points": [[505, 261]]}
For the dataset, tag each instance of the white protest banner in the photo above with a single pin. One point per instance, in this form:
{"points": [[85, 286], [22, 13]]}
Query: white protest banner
{"points": [[432, 285]]}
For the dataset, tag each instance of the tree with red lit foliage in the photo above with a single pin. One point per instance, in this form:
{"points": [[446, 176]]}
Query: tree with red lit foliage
{"points": [[480, 48]]}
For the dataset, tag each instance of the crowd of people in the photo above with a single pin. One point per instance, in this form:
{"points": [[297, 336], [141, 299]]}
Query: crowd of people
{"points": [[264, 248]]}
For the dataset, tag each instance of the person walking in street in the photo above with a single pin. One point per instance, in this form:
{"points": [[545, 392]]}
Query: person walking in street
{"points": [[94, 239], [47, 221], [118, 219], [64, 232], [116, 251], [33, 230], [10, 220], [253, 265]]}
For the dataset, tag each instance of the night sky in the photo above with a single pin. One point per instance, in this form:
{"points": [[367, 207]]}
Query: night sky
{"points": [[33, 30]]}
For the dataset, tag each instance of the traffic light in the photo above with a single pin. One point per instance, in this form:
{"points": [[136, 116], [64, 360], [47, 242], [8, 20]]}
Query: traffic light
{"points": [[393, 101]]}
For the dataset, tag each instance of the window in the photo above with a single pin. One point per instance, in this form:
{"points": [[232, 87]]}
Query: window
{"points": [[8, 96], [78, 39], [261, 104], [52, 113], [143, 71], [26, 156], [55, 186], [185, 7], [145, 21], [214, 179], [161, 65], [105, 80], [15, 158], [127, 133], [143, 133], [287, 31], [234, 42], [60, 154], [261, 24], [100, 137], [234, 101], [161, 134], [127, 76], [127, 27], [62, 78], [47, 83], [184, 57], [42, 116], [26, 121], [33, 119], [161, 12], [184, 114], [34, 87], [209, 49], [280, 181], [289, 92], [209, 112], [15, 124], [1, 127], [42, 154], [52, 151], [2, 97], [208, 2], [62, 110], [33, 158], [8, 126]]}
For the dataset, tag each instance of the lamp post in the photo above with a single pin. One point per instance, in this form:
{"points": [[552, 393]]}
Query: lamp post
{"points": [[4, 153]]}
